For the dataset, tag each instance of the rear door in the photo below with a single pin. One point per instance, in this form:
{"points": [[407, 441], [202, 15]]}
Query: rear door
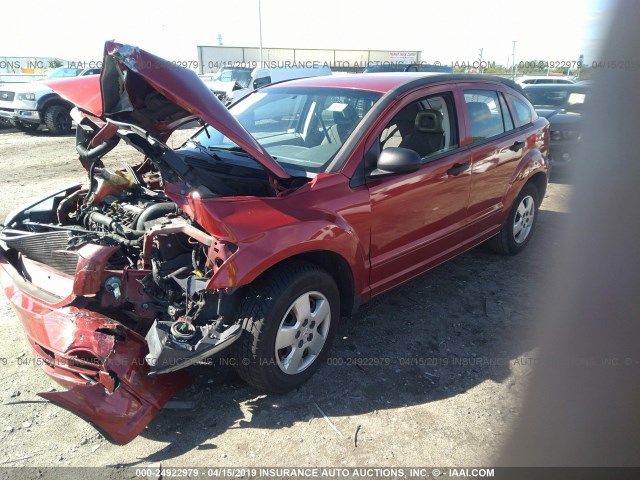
{"points": [[417, 218], [497, 146]]}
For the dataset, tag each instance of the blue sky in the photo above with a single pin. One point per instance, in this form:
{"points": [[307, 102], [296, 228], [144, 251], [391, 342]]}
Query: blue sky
{"points": [[446, 31]]}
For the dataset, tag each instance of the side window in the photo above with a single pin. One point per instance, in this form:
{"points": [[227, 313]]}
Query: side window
{"points": [[485, 114], [522, 113], [427, 126]]}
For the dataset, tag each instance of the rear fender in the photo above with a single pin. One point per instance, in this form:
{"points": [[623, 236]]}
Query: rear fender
{"points": [[533, 162]]}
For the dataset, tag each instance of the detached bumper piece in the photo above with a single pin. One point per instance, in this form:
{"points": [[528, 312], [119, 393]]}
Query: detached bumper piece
{"points": [[176, 345], [99, 359], [117, 395]]}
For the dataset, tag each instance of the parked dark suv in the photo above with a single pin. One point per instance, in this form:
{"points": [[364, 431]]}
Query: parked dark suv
{"points": [[563, 107]]}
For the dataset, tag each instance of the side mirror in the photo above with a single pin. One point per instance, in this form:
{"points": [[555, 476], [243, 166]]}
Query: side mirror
{"points": [[394, 160]]}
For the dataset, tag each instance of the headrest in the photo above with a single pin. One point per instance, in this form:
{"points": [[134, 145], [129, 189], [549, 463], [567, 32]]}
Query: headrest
{"points": [[407, 114], [348, 115], [478, 111], [429, 121]]}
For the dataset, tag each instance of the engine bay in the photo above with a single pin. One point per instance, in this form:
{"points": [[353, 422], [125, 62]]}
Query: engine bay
{"points": [[127, 251]]}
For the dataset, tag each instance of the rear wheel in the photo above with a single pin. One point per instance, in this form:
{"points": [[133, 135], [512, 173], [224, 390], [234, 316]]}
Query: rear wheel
{"points": [[518, 229], [289, 317], [57, 120]]}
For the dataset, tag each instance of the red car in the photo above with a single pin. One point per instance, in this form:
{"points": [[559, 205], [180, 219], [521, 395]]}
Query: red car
{"points": [[279, 216]]}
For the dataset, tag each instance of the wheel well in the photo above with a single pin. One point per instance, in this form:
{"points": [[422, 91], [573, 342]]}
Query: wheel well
{"points": [[539, 180], [336, 266], [50, 102]]}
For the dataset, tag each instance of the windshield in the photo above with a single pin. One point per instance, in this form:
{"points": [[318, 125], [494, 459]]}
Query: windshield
{"points": [[240, 75], [556, 97], [64, 72], [301, 128]]}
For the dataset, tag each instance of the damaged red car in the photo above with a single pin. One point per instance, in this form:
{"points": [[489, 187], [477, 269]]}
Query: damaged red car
{"points": [[282, 214]]}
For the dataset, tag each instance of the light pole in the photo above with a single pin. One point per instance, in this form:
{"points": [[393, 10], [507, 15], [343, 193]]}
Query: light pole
{"points": [[260, 28], [513, 60]]}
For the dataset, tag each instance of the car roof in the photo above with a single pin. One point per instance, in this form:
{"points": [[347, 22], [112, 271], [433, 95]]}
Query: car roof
{"points": [[387, 82]]}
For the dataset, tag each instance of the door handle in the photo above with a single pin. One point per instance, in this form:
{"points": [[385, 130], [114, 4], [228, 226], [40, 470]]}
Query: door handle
{"points": [[516, 146], [458, 168]]}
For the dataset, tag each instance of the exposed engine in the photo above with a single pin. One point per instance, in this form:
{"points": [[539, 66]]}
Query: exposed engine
{"points": [[156, 261]]}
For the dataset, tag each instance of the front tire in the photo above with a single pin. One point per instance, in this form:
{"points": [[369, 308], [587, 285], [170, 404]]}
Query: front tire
{"points": [[289, 317], [57, 120], [518, 228]]}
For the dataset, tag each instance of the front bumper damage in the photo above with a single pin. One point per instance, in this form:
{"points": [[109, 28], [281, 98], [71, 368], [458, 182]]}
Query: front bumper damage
{"points": [[102, 361]]}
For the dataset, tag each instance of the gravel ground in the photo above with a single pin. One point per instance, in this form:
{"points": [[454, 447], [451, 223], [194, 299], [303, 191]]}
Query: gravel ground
{"points": [[431, 374]]}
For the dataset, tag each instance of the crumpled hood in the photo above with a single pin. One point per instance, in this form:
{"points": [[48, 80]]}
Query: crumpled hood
{"points": [[141, 89]]}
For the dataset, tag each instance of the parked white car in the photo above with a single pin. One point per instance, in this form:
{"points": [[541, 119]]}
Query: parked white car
{"points": [[543, 79], [233, 83]]}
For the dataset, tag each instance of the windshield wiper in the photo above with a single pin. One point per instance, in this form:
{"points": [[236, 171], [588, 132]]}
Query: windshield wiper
{"points": [[236, 149], [204, 149]]}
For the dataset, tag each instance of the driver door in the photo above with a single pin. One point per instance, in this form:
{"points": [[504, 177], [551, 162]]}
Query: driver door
{"points": [[417, 219]]}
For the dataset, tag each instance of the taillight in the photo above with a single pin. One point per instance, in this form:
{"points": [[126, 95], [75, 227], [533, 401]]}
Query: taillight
{"points": [[546, 134]]}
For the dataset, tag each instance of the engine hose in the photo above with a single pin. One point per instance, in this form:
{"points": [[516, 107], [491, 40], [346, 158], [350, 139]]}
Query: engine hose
{"points": [[125, 241], [94, 153], [97, 163], [177, 272], [152, 212], [114, 225]]}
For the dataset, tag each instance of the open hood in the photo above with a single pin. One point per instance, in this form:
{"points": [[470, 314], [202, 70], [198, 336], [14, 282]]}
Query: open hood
{"points": [[138, 88]]}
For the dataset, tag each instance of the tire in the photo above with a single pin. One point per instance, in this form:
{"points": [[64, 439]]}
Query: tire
{"points": [[273, 309], [26, 127], [519, 226], [57, 120]]}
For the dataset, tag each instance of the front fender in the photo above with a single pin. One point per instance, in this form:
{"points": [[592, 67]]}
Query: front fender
{"points": [[274, 246]]}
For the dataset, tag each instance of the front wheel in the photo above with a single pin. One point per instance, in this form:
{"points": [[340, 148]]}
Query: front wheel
{"points": [[518, 229], [289, 317], [57, 120]]}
